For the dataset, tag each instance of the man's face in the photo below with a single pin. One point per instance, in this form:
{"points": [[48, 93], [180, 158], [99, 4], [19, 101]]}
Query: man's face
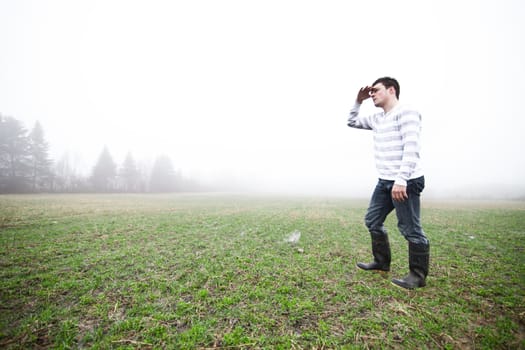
{"points": [[380, 95]]}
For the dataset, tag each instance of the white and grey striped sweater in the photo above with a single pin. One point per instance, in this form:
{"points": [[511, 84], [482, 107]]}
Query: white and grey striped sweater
{"points": [[396, 139]]}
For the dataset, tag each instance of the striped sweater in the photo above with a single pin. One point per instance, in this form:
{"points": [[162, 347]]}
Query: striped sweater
{"points": [[396, 141]]}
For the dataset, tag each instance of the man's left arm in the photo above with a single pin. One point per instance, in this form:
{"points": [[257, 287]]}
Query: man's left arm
{"points": [[410, 129]]}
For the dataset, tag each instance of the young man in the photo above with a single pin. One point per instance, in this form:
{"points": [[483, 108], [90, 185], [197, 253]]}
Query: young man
{"points": [[401, 181]]}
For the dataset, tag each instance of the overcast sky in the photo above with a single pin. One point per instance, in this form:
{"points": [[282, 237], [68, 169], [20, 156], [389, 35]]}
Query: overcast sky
{"points": [[259, 91]]}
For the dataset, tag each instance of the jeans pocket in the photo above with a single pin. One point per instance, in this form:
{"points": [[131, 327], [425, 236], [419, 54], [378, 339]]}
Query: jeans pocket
{"points": [[416, 186]]}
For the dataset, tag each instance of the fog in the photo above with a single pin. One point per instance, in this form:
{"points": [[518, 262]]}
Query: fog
{"points": [[254, 96]]}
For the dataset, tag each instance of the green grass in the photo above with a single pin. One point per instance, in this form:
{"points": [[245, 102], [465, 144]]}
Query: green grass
{"points": [[212, 271]]}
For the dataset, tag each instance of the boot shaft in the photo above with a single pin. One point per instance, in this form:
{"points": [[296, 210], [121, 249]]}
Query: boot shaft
{"points": [[419, 258], [381, 249]]}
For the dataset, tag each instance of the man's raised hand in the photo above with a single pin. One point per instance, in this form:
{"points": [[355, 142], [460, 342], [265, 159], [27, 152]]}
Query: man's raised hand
{"points": [[363, 94]]}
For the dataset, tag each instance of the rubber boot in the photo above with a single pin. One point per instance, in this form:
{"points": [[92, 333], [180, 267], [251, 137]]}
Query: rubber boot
{"points": [[381, 252], [418, 261]]}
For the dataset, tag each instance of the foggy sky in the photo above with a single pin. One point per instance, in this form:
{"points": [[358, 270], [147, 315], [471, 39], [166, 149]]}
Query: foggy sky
{"points": [[258, 93]]}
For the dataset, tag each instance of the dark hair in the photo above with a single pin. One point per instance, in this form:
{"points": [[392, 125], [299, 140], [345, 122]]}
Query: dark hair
{"points": [[388, 82]]}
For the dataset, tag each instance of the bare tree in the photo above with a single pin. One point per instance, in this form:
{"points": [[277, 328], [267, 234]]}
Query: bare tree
{"points": [[67, 176]]}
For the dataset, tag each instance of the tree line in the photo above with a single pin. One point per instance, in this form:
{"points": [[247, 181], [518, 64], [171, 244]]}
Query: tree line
{"points": [[26, 167]]}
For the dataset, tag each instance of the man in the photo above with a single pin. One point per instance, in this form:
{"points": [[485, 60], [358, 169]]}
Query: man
{"points": [[401, 181]]}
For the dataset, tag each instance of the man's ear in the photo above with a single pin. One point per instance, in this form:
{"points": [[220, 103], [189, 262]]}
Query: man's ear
{"points": [[392, 91]]}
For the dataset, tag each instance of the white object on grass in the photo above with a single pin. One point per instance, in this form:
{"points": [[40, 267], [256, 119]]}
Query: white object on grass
{"points": [[293, 237]]}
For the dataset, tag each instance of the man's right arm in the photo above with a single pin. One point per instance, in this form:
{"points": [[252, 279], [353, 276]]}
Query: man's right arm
{"points": [[354, 121]]}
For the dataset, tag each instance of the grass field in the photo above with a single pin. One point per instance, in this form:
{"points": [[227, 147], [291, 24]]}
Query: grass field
{"points": [[216, 271]]}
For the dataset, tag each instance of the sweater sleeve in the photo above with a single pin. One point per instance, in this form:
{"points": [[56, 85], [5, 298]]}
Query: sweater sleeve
{"points": [[357, 121], [410, 129]]}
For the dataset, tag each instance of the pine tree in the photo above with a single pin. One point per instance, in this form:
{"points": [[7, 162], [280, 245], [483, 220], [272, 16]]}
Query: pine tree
{"points": [[40, 163], [129, 174], [14, 156], [104, 172], [163, 177]]}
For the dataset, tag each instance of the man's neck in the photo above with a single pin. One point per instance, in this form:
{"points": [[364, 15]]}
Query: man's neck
{"points": [[390, 105]]}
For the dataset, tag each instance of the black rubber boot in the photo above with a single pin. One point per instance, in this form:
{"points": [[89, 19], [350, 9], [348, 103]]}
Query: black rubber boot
{"points": [[418, 260], [381, 252]]}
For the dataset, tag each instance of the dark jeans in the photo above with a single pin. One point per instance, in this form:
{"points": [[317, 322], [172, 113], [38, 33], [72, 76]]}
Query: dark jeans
{"points": [[408, 211]]}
